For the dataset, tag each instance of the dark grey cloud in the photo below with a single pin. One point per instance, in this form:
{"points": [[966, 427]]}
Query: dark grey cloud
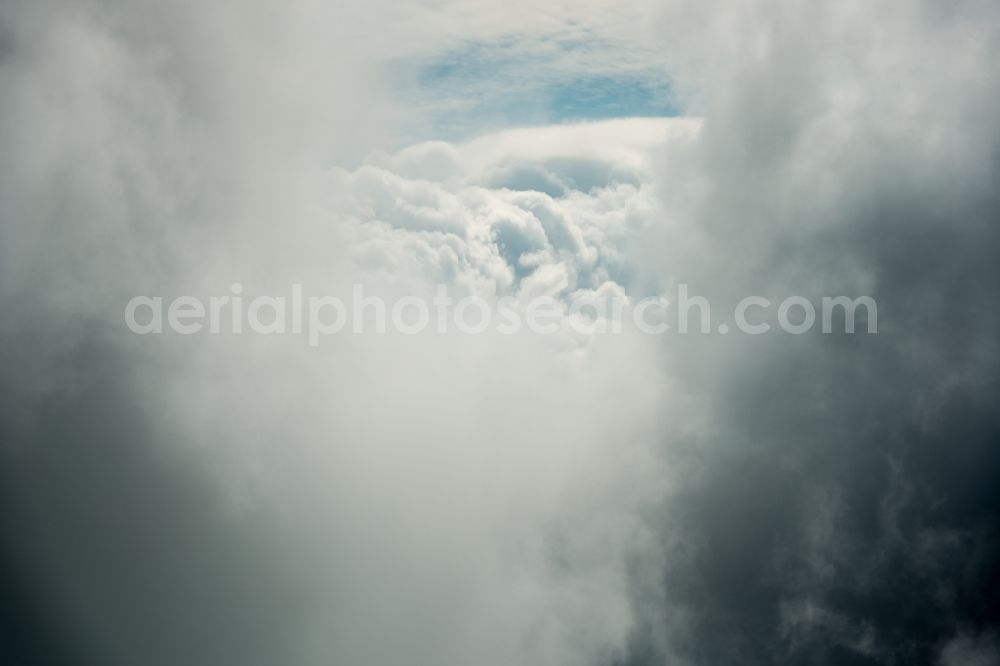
{"points": [[843, 508], [120, 550]]}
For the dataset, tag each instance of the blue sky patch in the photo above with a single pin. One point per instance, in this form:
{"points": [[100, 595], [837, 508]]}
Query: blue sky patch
{"points": [[481, 87]]}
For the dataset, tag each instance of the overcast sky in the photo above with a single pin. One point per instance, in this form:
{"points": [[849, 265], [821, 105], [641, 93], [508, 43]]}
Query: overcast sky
{"points": [[449, 499]]}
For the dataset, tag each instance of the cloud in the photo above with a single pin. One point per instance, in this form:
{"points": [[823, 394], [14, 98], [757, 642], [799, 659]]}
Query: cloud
{"points": [[499, 499], [830, 507], [238, 500], [972, 651], [513, 206]]}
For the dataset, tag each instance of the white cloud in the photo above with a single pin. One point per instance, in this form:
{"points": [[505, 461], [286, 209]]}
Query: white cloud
{"points": [[485, 214]]}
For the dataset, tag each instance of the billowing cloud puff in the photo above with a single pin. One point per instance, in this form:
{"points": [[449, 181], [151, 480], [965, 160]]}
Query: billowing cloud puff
{"points": [[521, 203]]}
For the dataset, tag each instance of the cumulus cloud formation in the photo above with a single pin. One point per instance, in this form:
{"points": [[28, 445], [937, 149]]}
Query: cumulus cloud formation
{"points": [[493, 499], [560, 206]]}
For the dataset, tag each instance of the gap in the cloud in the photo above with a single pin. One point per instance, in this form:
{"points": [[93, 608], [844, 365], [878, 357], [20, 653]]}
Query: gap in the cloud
{"points": [[482, 87], [605, 97]]}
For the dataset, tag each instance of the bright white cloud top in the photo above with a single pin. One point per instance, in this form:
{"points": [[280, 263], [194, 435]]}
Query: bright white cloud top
{"points": [[550, 208]]}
